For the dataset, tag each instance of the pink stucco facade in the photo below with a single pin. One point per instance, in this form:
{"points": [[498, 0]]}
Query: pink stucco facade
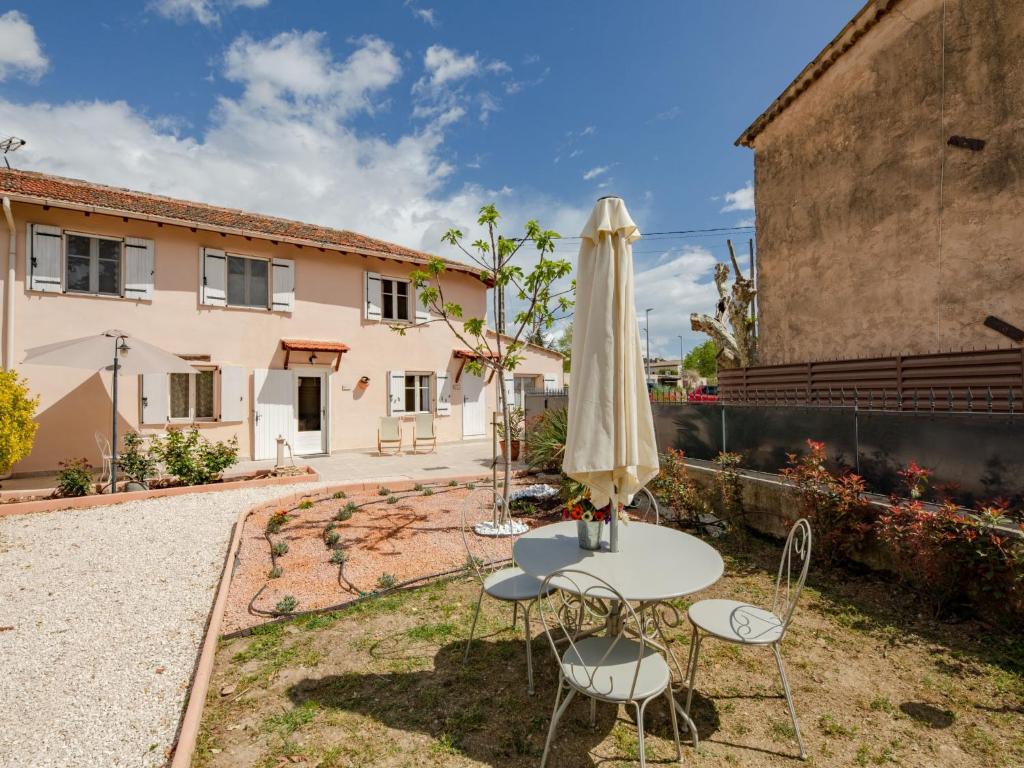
{"points": [[329, 305]]}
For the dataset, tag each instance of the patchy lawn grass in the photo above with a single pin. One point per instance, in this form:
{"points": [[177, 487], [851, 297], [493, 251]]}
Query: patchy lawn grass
{"points": [[876, 683]]}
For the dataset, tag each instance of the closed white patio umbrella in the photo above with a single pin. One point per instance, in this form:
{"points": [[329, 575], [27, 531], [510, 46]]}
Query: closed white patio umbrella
{"points": [[115, 351], [610, 446]]}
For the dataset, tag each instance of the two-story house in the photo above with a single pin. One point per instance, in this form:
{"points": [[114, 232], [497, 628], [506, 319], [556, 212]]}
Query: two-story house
{"points": [[288, 325]]}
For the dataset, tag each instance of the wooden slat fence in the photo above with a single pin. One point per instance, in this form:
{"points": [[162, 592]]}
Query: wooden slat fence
{"points": [[975, 381]]}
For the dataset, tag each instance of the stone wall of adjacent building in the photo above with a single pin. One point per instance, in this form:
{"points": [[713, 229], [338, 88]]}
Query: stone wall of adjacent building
{"points": [[875, 236]]}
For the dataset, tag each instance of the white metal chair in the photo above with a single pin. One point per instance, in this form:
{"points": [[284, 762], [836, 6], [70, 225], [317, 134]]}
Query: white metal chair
{"points": [[106, 455], [389, 434], [619, 668], [508, 584], [423, 431], [644, 507], [746, 624]]}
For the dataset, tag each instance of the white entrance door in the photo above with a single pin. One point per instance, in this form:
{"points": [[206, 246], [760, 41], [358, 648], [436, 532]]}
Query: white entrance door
{"points": [[273, 414], [474, 406], [310, 412]]}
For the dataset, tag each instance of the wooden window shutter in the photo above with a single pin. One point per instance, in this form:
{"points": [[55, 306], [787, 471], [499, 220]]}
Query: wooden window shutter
{"points": [[396, 393], [213, 277], [154, 407], [138, 268], [233, 382], [43, 271], [372, 310], [444, 394], [284, 285]]}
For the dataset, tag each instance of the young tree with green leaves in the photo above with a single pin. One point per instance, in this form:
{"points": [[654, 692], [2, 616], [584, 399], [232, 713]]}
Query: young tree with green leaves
{"points": [[703, 359], [535, 288]]}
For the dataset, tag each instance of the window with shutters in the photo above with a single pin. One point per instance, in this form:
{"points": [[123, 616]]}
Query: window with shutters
{"points": [[92, 264], [417, 393], [396, 299], [248, 282], [193, 396]]}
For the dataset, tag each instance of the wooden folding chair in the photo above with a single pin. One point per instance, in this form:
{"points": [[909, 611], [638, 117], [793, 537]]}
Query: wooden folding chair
{"points": [[389, 434], [423, 431]]}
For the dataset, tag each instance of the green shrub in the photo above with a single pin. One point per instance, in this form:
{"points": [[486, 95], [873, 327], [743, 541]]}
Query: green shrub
{"points": [[346, 512], [74, 478], [453, 483], [675, 488], [383, 491], [545, 440], [277, 521], [306, 504], [339, 495], [418, 487], [338, 557], [386, 581], [516, 418], [275, 572], [191, 458], [392, 499], [17, 425], [428, 491], [134, 461], [331, 538], [286, 604], [279, 548]]}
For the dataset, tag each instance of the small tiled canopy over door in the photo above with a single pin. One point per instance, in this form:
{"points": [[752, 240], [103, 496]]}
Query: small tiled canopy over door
{"points": [[138, 268], [43, 268], [213, 277]]}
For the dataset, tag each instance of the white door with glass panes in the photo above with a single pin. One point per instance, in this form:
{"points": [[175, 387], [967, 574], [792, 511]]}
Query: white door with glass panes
{"points": [[474, 406], [310, 412]]}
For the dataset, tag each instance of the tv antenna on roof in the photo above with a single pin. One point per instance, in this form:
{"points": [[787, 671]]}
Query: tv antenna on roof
{"points": [[10, 144]]}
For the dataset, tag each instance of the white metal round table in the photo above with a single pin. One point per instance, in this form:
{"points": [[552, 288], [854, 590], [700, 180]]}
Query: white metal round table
{"points": [[653, 564]]}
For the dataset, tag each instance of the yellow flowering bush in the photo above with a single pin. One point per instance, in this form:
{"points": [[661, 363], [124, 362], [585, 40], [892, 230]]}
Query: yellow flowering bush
{"points": [[17, 426]]}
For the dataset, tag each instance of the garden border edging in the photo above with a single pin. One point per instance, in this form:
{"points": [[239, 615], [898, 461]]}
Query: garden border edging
{"points": [[188, 731]]}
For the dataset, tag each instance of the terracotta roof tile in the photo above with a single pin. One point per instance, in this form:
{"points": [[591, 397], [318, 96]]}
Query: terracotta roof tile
{"points": [[309, 345], [31, 186]]}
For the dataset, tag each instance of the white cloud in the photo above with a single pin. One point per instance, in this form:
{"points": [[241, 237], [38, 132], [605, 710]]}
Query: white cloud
{"points": [[593, 173], [445, 65], [746, 222], [206, 12], [677, 284], [287, 145], [295, 71], [741, 199], [499, 67], [20, 52]]}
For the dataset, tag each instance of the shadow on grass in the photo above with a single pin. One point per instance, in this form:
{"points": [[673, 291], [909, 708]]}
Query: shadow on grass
{"points": [[481, 709], [878, 603]]}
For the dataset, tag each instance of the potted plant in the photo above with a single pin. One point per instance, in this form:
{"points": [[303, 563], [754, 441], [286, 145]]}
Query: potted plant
{"points": [[135, 463], [17, 423], [588, 521], [511, 446]]}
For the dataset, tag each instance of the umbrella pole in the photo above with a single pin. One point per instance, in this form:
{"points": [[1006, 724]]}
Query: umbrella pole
{"points": [[113, 429], [613, 526]]}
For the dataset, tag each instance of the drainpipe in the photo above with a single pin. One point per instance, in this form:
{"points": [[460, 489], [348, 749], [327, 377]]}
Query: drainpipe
{"points": [[12, 246]]}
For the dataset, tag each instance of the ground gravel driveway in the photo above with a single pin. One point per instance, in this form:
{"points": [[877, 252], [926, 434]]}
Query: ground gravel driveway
{"points": [[102, 612]]}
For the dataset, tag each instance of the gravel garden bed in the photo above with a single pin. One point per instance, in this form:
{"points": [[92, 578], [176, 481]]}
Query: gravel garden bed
{"points": [[333, 549]]}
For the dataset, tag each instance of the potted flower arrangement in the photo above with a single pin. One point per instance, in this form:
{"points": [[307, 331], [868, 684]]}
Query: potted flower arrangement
{"points": [[510, 447], [588, 521]]}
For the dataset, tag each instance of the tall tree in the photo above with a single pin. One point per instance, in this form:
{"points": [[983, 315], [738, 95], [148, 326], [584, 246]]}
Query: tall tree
{"points": [[703, 359], [563, 345], [494, 254]]}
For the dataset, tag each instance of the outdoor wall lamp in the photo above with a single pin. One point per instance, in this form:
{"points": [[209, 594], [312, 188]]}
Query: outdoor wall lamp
{"points": [[312, 358], [364, 382], [123, 347]]}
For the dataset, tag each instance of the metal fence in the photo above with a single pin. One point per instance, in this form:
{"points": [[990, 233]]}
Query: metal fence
{"points": [[976, 456], [987, 381]]}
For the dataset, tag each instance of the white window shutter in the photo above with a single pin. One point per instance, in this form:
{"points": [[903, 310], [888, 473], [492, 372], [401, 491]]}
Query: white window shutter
{"points": [[43, 269], [138, 268], [550, 382], [444, 394], [422, 315], [509, 381], [373, 297], [232, 393], [396, 393], [284, 285], [213, 277], [155, 400]]}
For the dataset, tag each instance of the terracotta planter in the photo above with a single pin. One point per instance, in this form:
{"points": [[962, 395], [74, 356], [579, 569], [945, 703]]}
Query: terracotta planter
{"points": [[516, 444]]}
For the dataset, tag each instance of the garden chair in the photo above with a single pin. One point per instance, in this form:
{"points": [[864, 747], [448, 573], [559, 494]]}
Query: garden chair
{"points": [[389, 434], [644, 508], [618, 668], [746, 624], [508, 584], [423, 431], [106, 455]]}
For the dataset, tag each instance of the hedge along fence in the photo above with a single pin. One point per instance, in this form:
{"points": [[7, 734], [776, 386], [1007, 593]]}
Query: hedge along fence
{"points": [[951, 556]]}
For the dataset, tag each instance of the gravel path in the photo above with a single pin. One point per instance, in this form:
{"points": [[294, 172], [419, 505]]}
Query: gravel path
{"points": [[102, 612]]}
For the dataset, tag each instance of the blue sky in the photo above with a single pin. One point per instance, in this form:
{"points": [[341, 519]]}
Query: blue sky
{"points": [[398, 119]]}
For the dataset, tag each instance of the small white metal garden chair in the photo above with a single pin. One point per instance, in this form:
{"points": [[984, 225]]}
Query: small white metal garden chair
{"points": [[619, 668], [644, 507], [508, 584], [106, 455], [746, 624]]}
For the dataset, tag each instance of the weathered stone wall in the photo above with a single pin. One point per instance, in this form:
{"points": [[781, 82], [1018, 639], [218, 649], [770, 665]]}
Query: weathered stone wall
{"points": [[854, 258]]}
